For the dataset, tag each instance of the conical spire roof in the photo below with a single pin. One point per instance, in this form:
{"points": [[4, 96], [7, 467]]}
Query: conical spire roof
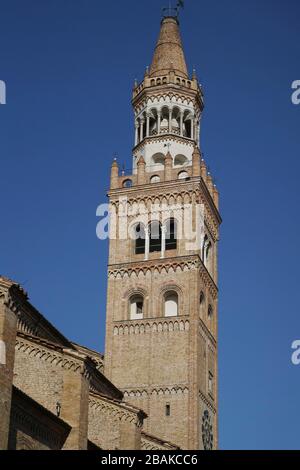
{"points": [[169, 53]]}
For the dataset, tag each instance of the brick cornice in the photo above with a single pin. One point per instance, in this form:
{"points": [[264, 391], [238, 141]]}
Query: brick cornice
{"points": [[120, 410], [174, 188], [192, 262], [162, 138], [11, 295], [150, 442], [168, 90]]}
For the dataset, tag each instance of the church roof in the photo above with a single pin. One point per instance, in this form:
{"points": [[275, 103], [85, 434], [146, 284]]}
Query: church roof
{"points": [[169, 54]]}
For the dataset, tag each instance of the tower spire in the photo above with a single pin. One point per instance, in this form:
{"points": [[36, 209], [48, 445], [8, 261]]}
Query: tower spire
{"points": [[169, 54]]}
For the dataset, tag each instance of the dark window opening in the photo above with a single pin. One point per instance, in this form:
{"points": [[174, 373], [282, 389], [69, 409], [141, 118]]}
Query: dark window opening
{"points": [[188, 128], [155, 237], [127, 184], [139, 308], [140, 240], [168, 410], [210, 383], [171, 235]]}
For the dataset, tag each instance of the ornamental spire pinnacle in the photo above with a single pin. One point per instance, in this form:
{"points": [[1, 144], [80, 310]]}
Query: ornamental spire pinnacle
{"points": [[169, 54]]}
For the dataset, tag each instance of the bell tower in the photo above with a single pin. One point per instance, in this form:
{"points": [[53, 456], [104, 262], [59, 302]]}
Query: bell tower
{"points": [[162, 300]]}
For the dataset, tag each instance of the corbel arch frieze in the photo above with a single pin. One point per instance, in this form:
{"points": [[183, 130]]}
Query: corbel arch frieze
{"points": [[159, 326], [53, 357], [117, 413]]}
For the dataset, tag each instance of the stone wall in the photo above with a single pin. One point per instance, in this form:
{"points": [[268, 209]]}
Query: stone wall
{"points": [[114, 425]]}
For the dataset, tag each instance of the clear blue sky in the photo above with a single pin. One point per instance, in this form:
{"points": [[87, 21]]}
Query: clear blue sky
{"points": [[69, 68]]}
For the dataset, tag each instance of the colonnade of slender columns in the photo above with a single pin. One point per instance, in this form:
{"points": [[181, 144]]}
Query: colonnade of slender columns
{"points": [[141, 133]]}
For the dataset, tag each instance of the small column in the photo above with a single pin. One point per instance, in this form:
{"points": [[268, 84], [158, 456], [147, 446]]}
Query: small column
{"points": [[181, 123], [142, 129], [199, 130], [196, 132], [136, 140], [163, 242], [170, 120], [148, 125], [192, 128], [158, 121], [147, 243]]}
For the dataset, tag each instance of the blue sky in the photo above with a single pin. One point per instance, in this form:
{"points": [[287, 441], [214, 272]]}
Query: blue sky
{"points": [[69, 68]]}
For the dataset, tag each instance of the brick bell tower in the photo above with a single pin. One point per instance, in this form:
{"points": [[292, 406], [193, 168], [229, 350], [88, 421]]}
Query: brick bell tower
{"points": [[162, 305]]}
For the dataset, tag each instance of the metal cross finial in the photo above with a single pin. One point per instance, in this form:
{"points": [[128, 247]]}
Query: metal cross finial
{"points": [[171, 11]]}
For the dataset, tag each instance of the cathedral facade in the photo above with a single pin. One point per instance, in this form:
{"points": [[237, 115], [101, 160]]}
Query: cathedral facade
{"points": [[156, 386]]}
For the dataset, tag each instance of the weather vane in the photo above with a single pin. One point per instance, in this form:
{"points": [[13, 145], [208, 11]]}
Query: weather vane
{"points": [[171, 10]]}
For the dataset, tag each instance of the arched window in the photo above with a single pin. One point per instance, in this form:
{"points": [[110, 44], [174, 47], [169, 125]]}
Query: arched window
{"points": [[187, 127], [202, 298], [158, 162], [171, 304], [180, 160], [140, 239], [153, 122], [210, 312], [136, 306], [206, 252], [154, 237], [127, 184], [155, 179], [171, 235], [183, 175]]}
